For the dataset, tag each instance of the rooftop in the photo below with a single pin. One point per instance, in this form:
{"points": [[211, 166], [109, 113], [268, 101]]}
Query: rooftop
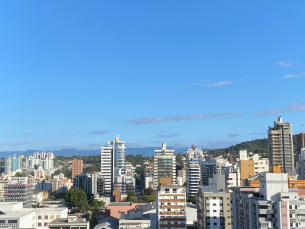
{"points": [[120, 204], [108, 223], [65, 221]]}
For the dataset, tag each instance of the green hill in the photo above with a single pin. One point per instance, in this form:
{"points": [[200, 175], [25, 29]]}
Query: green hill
{"points": [[259, 146]]}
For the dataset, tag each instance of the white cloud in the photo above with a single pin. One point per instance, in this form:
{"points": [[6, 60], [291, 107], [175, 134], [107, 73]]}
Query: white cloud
{"points": [[167, 136], [218, 84], [96, 132], [15, 143], [233, 135], [284, 64], [179, 118], [294, 75], [294, 107]]}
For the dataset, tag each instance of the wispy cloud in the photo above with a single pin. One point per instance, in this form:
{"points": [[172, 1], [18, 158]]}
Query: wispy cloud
{"points": [[167, 136], [217, 144], [294, 107], [284, 64], [179, 118], [294, 75], [15, 143], [232, 135], [218, 84], [258, 133], [96, 132]]}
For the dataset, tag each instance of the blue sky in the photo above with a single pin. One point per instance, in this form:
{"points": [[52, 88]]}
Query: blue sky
{"points": [[211, 73]]}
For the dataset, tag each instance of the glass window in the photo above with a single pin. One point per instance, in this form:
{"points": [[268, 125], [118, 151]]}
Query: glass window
{"points": [[12, 223], [39, 217], [51, 216], [39, 224], [46, 217], [45, 224], [2, 223], [57, 216]]}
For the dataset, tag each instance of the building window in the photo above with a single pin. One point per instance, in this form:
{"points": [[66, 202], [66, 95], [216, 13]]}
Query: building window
{"points": [[51, 216], [12, 223], [39, 224], [57, 216], [39, 217], [45, 217], [214, 204], [45, 224], [2, 223]]}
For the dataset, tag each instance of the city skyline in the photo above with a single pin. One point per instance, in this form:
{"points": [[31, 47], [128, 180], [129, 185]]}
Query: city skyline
{"points": [[76, 75]]}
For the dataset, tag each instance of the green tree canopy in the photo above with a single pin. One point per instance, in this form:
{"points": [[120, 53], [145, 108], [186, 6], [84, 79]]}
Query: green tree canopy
{"points": [[19, 174], [76, 197]]}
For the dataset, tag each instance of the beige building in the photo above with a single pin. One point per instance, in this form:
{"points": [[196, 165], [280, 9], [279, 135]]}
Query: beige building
{"points": [[171, 207], [77, 167], [280, 146], [164, 165], [213, 210]]}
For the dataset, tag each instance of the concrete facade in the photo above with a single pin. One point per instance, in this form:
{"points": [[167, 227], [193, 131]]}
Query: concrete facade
{"points": [[213, 210], [280, 146], [171, 207], [164, 164]]}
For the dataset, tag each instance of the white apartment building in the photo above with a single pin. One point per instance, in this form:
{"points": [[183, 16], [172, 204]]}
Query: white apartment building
{"points": [[181, 177], [15, 216], [272, 205], [171, 207], [112, 159], [260, 164], [164, 164], [193, 172]]}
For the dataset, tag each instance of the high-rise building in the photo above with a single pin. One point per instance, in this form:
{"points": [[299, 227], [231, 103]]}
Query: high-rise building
{"points": [[213, 210], [300, 143], [301, 164], [171, 207], [208, 168], [164, 165], [112, 159], [12, 164], [271, 205], [77, 167], [280, 146], [193, 174]]}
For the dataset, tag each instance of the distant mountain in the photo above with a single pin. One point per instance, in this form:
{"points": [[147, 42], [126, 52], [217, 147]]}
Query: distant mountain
{"points": [[147, 151]]}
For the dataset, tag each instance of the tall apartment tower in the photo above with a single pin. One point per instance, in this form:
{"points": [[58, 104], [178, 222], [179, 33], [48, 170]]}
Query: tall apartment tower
{"points": [[12, 164], [171, 207], [280, 146], [193, 174], [164, 165], [112, 159], [300, 143], [77, 167]]}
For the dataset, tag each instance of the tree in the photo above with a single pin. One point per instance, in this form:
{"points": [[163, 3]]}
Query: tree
{"points": [[192, 199], [90, 169], [76, 197], [20, 174], [96, 207], [131, 197]]}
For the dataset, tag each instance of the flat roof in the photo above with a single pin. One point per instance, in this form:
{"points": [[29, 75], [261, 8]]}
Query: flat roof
{"points": [[64, 221], [120, 204], [18, 213]]}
